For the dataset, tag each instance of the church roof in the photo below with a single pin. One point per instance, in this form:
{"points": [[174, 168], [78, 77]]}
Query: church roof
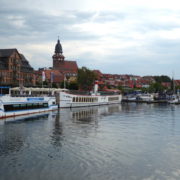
{"points": [[68, 66], [58, 48]]}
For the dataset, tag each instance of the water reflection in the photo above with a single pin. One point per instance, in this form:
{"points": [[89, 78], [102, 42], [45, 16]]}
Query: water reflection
{"points": [[89, 114], [102, 142], [84, 115], [57, 131], [13, 131], [25, 118], [11, 141]]}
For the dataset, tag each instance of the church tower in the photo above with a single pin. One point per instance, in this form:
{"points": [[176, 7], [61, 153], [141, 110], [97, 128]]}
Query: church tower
{"points": [[65, 67], [58, 57]]}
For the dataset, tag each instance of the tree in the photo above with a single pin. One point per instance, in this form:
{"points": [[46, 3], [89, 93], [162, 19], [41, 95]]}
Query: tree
{"points": [[73, 85], [86, 78], [64, 83], [162, 78], [54, 85], [156, 87]]}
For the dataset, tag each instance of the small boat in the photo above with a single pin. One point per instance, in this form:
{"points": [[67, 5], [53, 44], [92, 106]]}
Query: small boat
{"points": [[68, 100], [24, 101], [130, 98], [145, 97], [138, 98], [174, 99]]}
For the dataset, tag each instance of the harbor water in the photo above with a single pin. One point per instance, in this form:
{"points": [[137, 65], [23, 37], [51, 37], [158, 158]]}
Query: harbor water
{"points": [[113, 142]]}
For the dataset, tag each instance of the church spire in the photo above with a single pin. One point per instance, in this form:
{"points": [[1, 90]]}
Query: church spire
{"points": [[58, 47]]}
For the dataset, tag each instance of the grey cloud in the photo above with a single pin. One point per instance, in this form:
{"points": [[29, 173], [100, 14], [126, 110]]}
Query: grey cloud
{"points": [[21, 26], [41, 25]]}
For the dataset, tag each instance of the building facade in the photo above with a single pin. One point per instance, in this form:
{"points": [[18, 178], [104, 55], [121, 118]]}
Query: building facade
{"points": [[15, 70]]}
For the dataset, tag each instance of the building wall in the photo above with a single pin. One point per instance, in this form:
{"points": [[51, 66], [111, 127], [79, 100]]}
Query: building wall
{"points": [[11, 72]]}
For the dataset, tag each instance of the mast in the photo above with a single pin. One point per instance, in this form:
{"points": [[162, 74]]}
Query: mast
{"points": [[174, 90]]}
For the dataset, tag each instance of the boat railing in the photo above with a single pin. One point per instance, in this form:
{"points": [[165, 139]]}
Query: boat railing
{"points": [[38, 95], [76, 92]]}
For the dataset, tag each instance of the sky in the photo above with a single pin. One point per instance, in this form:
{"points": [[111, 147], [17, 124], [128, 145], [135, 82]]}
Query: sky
{"points": [[139, 37]]}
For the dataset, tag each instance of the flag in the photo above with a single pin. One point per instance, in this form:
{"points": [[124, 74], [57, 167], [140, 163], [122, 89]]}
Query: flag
{"points": [[65, 79], [43, 76], [52, 77]]}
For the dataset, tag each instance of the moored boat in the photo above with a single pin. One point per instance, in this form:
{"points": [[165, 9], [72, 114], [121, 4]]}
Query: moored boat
{"points": [[67, 99], [145, 97], [26, 101], [174, 99]]}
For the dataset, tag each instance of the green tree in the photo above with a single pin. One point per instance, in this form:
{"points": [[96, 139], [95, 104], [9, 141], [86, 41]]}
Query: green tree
{"points": [[62, 84], [54, 85], [162, 78], [156, 87], [86, 78], [121, 88], [73, 85]]}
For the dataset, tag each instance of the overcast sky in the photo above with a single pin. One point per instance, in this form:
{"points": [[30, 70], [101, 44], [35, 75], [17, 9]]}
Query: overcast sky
{"points": [[140, 37]]}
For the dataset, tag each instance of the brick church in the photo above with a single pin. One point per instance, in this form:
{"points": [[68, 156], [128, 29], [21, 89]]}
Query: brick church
{"points": [[62, 68], [68, 68]]}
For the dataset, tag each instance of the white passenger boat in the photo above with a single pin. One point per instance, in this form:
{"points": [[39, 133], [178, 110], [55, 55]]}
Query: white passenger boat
{"points": [[68, 100], [26, 101]]}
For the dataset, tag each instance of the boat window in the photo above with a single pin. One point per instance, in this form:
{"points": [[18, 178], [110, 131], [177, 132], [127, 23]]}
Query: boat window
{"points": [[15, 107], [23, 106], [45, 104], [113, 98], [8, 107], [29, 105]]}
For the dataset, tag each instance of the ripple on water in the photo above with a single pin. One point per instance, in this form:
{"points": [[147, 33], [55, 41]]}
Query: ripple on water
{"points": [[129, 141]]}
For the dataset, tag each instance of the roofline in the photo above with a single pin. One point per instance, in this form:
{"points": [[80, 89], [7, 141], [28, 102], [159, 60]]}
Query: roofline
{"points": [[11, 49]]}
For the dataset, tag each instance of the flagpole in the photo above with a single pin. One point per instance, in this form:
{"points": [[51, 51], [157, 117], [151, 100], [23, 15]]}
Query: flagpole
{"points": [[64, 81], [42, 79], [52, 78]]}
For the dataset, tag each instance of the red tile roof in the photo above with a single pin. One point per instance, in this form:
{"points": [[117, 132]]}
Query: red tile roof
{"points": [[67, 66], [57, 76]]}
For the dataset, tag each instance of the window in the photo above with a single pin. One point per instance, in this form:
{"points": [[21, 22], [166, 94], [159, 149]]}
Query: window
{"points": [[15, 107], [113, 98]]}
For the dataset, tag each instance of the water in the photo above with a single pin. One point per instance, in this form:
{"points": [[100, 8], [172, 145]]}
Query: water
{"points": [[128, 142]]}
